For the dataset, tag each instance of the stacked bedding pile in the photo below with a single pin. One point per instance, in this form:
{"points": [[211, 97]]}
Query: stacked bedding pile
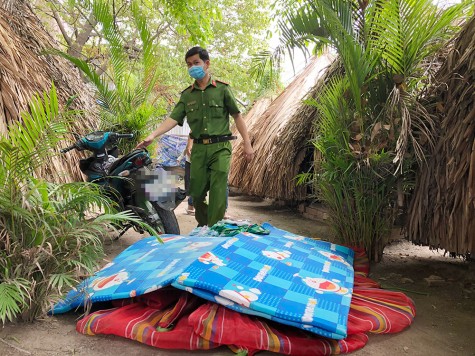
{"points": [[273, 291]]}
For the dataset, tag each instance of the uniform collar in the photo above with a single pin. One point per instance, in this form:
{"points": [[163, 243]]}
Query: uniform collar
{"points": [[211, 82]]}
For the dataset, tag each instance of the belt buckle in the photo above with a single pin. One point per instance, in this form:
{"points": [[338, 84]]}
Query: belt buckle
{"points": [[206, 141]]}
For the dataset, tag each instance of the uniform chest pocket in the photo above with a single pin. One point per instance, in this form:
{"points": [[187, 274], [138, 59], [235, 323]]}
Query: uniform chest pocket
{"points": [[216, 108], [192, 110]]}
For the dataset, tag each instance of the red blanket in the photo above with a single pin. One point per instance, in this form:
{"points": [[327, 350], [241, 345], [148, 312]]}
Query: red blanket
{"points": [[172, 319]]}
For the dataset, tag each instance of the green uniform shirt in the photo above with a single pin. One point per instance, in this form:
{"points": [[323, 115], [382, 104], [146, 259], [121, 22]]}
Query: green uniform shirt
{"points": [[207, 111]]}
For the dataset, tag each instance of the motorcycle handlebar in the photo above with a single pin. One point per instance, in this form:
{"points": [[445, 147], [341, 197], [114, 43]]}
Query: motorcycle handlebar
{"points": [[125, 135], [113, 138], [67, 149]]}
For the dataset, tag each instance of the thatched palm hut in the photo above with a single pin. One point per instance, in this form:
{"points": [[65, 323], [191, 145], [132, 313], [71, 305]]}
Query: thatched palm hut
{"points": [[281, 139], [442, 211], [25, 71]]}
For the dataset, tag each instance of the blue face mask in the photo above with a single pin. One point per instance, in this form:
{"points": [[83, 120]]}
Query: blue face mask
{"points": [[197, 72]]}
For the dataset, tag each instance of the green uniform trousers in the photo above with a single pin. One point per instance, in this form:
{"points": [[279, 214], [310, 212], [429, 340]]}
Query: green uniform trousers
{"points": [[209, 173]]}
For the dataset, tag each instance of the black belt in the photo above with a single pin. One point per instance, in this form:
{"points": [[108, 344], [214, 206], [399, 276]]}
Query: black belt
{"points": [[213, 139]]}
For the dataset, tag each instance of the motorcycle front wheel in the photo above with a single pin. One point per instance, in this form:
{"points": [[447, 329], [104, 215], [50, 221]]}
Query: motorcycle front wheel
{"points": [[168, 223]]}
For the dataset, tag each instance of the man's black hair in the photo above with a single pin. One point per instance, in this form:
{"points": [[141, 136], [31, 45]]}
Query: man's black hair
{"points": [[197, 50]]}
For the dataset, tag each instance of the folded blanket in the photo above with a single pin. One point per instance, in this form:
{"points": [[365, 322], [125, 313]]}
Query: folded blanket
{"points": [[145, 266], [282, 276], [243, 332], [140, 322]]}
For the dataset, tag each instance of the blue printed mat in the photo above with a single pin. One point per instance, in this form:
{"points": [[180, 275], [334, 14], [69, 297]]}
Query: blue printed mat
{"points": [[284, 277], [143, 267]]}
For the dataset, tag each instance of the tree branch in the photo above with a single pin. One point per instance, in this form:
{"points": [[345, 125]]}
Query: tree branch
{"points": [[61, 28], [159, 32], [15, 347], [83, 36], [86, 30]]}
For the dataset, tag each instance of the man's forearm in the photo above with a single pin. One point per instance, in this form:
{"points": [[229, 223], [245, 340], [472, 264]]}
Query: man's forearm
{"points": [[165, 126], [242, 129]]}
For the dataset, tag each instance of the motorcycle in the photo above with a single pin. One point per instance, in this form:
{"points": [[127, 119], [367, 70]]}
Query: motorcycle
{"points": [[130, 181]]}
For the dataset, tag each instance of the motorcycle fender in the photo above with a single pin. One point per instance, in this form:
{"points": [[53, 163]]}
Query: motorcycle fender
{"points": [[167, 205], [175, 200]]}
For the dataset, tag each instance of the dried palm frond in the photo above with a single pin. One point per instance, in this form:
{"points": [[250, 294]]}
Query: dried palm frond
{"points": [[442, 210], [414, 119], [25, 71], [281, 138]]}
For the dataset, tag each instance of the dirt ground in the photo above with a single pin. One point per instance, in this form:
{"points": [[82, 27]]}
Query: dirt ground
{"points": [[444, 324]]}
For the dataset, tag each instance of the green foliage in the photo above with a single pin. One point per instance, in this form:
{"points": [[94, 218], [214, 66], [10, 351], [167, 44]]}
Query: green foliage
{"points": [[130, 106], [265, 68], [14, 296], [356, 186], [359, 201], [193, 17], [370, 124], [125, 92], [239, 35], [49, 233], [236, 36], [188, 18], [161, 30]]}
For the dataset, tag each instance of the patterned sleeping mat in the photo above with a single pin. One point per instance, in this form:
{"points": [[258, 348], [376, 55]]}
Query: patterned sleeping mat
{"points": [[145, 266], [284, 277]]}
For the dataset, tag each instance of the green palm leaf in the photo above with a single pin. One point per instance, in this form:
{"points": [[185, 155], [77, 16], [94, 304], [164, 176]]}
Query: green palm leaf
{"points": [[60, 281], [382, 46], [107, 98], [13, 298]]}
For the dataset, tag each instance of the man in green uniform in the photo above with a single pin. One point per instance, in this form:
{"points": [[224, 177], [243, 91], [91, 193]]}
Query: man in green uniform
{"points": [[207, 105]]}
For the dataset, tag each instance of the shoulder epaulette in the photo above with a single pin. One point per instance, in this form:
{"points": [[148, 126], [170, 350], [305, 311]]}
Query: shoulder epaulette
{"points": [[221, 82], [188, 87]]}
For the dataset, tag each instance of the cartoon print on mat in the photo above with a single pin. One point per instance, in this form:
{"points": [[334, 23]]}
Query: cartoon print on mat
{"points": [[172, 238], [102, 283], [193, 246], [333, 257], [210, 258], [182, 277], [240, 296], [277, 254], [229, 243], [247, 233], [294, 237], [307, 316], [322, 285]]}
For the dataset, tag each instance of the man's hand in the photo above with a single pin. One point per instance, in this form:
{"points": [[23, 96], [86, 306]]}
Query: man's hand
{"points": [[248, 152], [144, 143], [189, 146], [188, 151]]}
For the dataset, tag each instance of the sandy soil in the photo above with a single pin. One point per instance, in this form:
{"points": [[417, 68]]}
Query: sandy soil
{"points": [[444, 324]]}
